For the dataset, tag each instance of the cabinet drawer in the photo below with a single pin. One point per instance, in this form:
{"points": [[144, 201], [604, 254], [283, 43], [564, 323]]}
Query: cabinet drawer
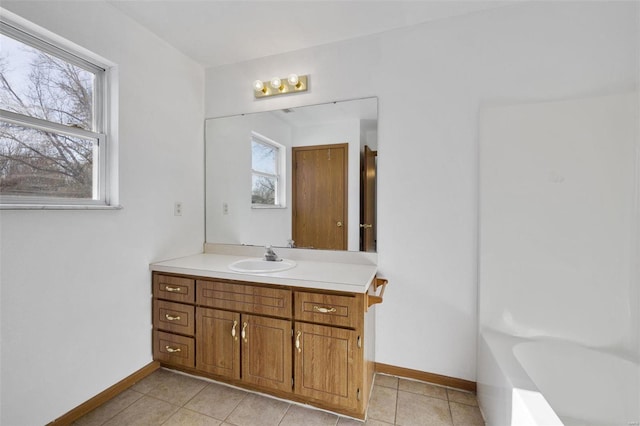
{"points": [[327, 309], [173, 349], [244, 298], [173, 288], [174, 317]]}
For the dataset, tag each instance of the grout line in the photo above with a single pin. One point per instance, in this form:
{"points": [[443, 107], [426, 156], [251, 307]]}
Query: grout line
{"points": [[196, 394], [285, 414], [450, 413], [172, 414], [133, 402], [395, 413], [235, 408]]}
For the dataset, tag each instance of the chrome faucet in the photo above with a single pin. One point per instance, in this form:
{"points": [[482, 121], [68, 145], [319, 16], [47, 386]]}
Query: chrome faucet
{"points": [[270, 255]]}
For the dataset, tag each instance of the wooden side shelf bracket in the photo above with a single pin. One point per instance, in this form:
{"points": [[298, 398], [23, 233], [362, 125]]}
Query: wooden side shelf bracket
{"points": [[373, 299]]}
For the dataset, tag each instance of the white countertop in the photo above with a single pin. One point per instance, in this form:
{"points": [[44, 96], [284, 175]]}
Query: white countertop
{"points": [[348, 277]]}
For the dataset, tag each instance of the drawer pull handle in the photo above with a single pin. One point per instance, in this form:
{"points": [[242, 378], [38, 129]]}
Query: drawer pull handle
{"points": [[298, 341], [172, 289], [233, 330], [172, 317], [172, 350], [324, 310], [244, 332]]}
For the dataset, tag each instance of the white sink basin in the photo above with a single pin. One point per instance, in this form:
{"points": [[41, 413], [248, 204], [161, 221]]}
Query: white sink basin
{"points": [[259, 265]]}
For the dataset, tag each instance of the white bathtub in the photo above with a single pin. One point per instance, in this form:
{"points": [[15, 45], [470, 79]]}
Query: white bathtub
{"points": [[547, 383]]}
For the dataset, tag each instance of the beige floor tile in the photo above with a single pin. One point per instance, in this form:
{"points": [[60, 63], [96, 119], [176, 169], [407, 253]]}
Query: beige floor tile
{"points": [[382, 405], [393, 401], [421, 410], [343, 421], [145, 411], [109, 409], [184, 417], [466, 415], [216, 401], [423, 388], [346, 421], [462, 397], [373, 422], [386, 381], [301, 416], [152, 380], [258, 410], [177, 389]]}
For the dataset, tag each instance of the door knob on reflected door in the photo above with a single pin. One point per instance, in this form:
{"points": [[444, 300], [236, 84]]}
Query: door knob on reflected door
{"points": [[339, 224], [366, 225]]}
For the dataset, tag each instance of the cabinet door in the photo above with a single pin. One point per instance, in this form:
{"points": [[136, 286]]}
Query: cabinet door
{"points": [[218, 342], [326, 359], [266, 352]]}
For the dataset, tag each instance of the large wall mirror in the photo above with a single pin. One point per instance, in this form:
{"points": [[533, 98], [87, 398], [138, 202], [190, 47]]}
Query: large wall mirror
{"points": [[298, 177]]}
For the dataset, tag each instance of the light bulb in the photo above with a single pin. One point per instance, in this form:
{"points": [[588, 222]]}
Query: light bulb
{"points": [[258, 86], [293, 79], [276, 83]]}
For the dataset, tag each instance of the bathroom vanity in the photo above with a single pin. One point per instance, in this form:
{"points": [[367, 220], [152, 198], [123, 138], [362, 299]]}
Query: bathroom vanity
{"points": [[304, 334]]}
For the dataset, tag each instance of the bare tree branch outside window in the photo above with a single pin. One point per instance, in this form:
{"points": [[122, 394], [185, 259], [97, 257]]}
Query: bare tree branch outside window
{"points": [[41, 162], [264, 165]]}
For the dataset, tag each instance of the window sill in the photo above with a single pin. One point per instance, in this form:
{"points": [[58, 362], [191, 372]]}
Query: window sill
{"points": [[258, 206], [57, 207]]}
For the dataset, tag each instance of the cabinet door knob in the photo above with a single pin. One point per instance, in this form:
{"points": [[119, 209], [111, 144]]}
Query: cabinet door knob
{"points": [[298, 341], [339, 224], [244, 332], [172, 350], [172, 289], [172, 317], [324, 310], [233, 330]]}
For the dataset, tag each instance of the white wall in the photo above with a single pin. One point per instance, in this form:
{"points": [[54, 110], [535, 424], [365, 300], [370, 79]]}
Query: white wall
{"points": [[427, 141], [76, 311], [557, 242]]}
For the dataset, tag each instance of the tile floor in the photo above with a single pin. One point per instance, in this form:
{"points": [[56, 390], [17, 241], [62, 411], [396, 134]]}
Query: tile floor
{"points": [[170, 399]]}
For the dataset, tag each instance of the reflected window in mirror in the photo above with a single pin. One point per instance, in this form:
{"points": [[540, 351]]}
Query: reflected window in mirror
{"points": [[267, 159]]}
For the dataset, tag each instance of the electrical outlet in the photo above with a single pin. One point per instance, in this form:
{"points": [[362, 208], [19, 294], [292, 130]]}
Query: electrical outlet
{"points": [[177, 208], [225, 208]]}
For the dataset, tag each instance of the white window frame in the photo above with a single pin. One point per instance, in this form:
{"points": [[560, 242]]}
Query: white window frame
{"points": [[104, 192], [280, 175]]}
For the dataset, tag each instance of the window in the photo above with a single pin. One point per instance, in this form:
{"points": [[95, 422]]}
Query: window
{"points": [[53, 143], [267, 158]]}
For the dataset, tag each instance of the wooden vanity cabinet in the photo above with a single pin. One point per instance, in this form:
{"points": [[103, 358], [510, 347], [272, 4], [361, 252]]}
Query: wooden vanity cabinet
{"points": [[331, 366], [173, 322], [327, 365], [266, 352], [260, 347], [218, 337], [238, 340], [302, 344]]}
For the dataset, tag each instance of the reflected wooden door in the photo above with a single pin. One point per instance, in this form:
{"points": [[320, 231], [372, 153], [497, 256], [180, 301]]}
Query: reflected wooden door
{"points": [[319, 212], [368, 213]]}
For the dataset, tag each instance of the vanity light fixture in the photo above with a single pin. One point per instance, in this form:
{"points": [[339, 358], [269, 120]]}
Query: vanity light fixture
{"points": [[279, 86]]}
